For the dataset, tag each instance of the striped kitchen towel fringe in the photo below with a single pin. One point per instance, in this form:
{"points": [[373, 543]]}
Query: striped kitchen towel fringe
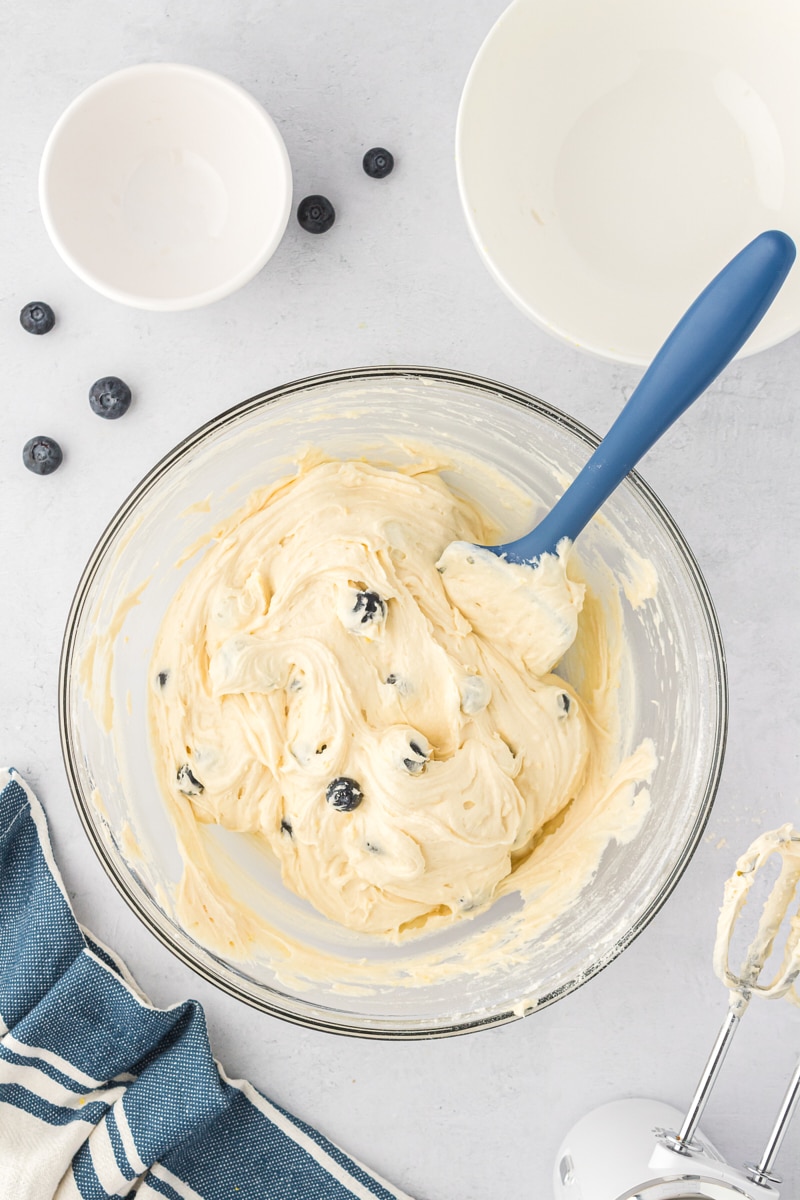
{"points": [[102, 1095]]}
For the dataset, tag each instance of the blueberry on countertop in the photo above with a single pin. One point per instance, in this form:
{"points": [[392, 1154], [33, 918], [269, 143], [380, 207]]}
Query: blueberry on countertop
{"points": [[187, 783], [109, 397], [42, 455], [344, 794], [378, 163], [37, 317], [316, 214]]}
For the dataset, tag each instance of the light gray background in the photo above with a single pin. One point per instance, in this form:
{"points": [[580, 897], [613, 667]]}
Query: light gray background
{"points": [[396, 281]]}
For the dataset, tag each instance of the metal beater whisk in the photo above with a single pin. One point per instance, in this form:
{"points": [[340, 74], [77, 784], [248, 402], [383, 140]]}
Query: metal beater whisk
{"points": [[784, 842]]}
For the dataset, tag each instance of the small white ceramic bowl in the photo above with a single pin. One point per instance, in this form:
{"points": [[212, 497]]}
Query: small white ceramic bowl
{"points": [[165, 186], [613, 157]]}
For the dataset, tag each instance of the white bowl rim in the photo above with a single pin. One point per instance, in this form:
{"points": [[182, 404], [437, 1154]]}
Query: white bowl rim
{"points": [[159, 303], [750, 347]]}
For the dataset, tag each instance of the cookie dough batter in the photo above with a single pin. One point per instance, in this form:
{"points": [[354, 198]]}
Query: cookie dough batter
{"points": [[346, 678]]}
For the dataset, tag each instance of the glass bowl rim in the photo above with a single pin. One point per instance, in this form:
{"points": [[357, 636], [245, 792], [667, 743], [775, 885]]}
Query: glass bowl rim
{"points": [[124, 883]]}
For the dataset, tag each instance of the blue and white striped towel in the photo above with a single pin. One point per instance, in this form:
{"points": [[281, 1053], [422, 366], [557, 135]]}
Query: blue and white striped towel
{"points": [[103, 1095]]}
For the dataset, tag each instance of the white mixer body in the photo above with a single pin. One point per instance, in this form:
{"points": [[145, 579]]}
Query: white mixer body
{"points": [[612, 1154]]}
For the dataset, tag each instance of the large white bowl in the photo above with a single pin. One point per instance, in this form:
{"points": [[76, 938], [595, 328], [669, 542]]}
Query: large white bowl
{"points": [[613, 156], [165, 186], [672, 688]]}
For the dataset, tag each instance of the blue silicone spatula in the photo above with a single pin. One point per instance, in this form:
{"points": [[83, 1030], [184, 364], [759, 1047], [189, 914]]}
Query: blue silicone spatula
{"points": [[700, 346]]}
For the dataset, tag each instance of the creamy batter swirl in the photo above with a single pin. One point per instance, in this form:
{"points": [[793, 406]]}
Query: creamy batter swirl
{"points": [[344, 676]]}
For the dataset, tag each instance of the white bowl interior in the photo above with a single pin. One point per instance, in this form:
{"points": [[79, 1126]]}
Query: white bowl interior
{"points": [[613, 157], [165, 186], [673, 690]]}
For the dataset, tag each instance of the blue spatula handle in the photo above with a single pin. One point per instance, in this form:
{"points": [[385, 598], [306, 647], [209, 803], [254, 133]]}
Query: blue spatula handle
{"points": [[702, 343]]}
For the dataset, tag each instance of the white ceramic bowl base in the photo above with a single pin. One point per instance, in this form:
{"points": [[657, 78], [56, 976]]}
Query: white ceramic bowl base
{"points": [[613, 157], [165, 186]]}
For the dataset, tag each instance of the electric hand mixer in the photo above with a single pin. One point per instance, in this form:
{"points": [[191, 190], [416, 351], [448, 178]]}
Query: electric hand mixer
{"points": [[623, 1151]]}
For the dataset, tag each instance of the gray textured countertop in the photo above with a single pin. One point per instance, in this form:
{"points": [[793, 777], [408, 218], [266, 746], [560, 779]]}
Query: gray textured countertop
{"points": [[396, 281]]}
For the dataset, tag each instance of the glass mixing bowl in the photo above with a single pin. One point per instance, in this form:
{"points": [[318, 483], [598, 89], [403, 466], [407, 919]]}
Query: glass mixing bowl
{"points": [[672, 689]]}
